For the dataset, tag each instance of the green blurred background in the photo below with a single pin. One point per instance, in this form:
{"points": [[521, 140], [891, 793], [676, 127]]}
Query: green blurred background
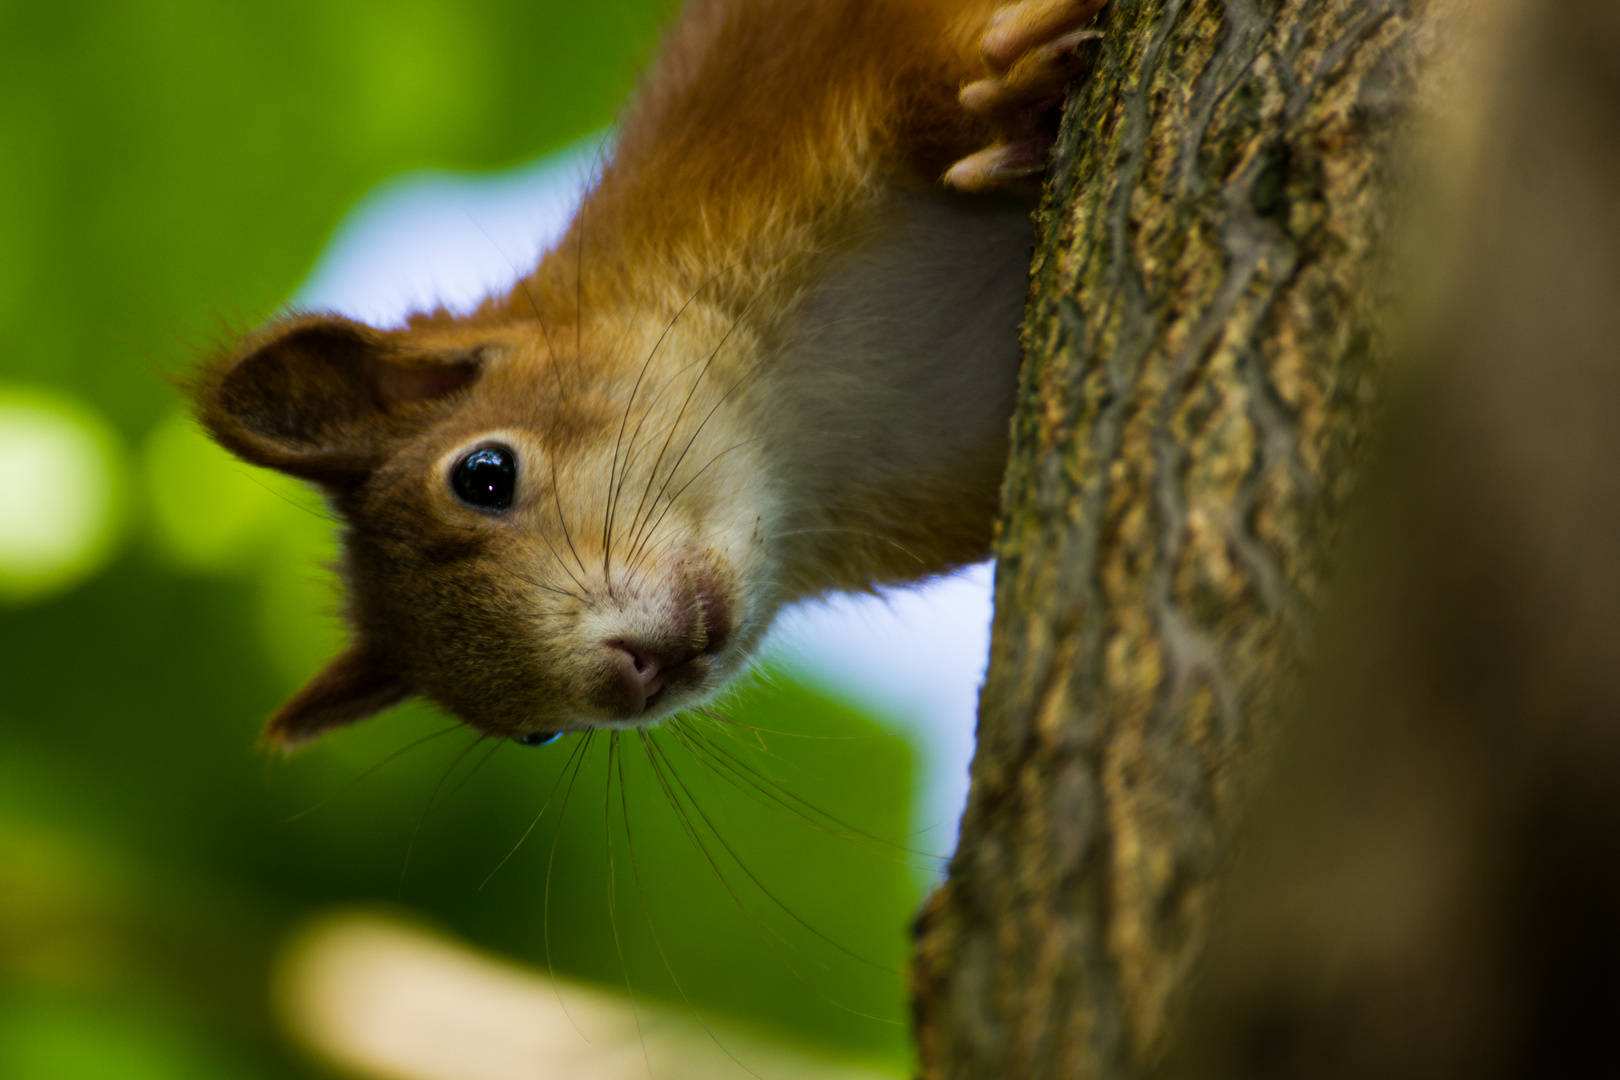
{"points": [[169, 172]]}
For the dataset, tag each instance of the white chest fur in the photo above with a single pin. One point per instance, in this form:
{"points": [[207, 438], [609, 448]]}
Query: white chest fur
{"points": [[893, 385], [907, 352]]}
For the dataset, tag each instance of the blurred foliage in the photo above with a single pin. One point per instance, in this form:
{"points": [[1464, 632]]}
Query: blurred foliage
{"points": [[172, 170], [59, 459]]}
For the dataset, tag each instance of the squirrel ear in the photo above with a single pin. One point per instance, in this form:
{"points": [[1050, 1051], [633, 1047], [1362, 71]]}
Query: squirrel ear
{"points": [[354, 686], [320, 396]]}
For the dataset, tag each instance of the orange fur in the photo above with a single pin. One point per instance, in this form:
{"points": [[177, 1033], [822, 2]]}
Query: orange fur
{"points": [[773, 356]]}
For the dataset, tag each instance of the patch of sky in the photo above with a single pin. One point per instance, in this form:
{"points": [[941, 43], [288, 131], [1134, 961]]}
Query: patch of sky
{"points": [[432, 238]]}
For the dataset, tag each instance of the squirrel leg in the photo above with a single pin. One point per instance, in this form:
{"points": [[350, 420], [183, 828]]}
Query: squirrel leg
{"points": [[1029, 51]]}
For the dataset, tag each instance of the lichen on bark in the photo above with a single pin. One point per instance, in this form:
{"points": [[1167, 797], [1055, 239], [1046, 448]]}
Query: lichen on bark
{"points": [[1203, 350]]}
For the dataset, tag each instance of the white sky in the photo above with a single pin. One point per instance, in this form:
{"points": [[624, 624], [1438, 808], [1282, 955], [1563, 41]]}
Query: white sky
{"points": [[914, 658]]}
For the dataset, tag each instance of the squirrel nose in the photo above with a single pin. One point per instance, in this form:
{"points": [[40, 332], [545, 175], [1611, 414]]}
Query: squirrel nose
{"points": [[642, 673]]}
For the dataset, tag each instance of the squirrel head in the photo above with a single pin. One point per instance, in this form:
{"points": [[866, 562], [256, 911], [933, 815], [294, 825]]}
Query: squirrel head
{"points": [[545, 528]]}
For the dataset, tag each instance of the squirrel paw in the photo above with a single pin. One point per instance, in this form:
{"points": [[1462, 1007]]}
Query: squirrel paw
{"points": [[1030, 51]]}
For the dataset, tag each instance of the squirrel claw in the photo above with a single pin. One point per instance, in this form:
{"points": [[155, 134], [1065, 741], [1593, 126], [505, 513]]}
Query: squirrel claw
{"points": [[1030, 52], [1000, 164], [1021, 28]]}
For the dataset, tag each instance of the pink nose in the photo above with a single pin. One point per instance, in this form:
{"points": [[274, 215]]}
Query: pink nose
{"points": [[641, 672]]}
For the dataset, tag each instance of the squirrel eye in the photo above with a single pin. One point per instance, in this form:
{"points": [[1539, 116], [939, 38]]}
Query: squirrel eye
{"points": [[537, 738], [486, 478]]}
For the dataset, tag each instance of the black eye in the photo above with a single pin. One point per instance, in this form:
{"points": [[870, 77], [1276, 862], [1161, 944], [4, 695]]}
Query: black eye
{"points": [[486, 478], [537, 738]]}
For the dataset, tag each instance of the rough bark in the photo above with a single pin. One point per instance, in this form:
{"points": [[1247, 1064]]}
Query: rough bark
{"points": [[1203, 348], [1432, 878]]}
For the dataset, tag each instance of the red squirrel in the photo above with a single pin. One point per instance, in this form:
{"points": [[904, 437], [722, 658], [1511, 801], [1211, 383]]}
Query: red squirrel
{"points": [[775, 355]]}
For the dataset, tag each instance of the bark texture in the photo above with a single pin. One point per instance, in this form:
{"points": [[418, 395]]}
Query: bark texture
{"points": [[1202, 353], [1431, 878]]}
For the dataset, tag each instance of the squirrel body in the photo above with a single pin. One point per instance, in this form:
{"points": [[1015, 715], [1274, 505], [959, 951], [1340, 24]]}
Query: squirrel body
{"points": [[774, 355]]}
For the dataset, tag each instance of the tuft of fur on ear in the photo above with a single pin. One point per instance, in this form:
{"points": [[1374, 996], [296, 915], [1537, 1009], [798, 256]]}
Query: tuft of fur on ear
{"points": [[352, 687], [320, 396]]}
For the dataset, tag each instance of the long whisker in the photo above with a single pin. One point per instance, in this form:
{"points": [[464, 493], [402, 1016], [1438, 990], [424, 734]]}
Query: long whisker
{"points": [[523, 283], [729, 721], [646, 911], [324, 515], [652, 476], [618, 442], [774, 899], [412, 745], [584, 593], [853, 532], [551, 861], [646, 412], [670, 502], [765, 933], [562, 564], [612, 892], [776, 796], [432, 797], [555, 363], [543, 587], [494, 748], [562, 519], [575, 753], [675, 425], [662, 768], [613, 469]]}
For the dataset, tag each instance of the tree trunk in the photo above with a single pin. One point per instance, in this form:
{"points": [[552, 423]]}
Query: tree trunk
{"points": [[1431, 877], [1204, 344]]}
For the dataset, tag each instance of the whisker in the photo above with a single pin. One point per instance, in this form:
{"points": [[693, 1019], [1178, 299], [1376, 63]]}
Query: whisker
{"points": [[651, 526], [607, 522], [523, 283], [646, 912], [562, 519], [686, 404], [432, 796], [556, 370], [646, 412], [551, 588], [551, 862], [575, 753], [494, 748], [612, 891], [812, 808], [412, 745], [721, 718], [561, 562], [879, 537], [653, 529], [669, 503], [765, 932], [774, 899], [774, 795], [324, 515], [662, 770]]}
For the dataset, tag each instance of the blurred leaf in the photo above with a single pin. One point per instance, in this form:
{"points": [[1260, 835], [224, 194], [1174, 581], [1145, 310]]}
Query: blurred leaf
{"points": [[62, 492], [211, 512], [50, 1038], [174, 163]]}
